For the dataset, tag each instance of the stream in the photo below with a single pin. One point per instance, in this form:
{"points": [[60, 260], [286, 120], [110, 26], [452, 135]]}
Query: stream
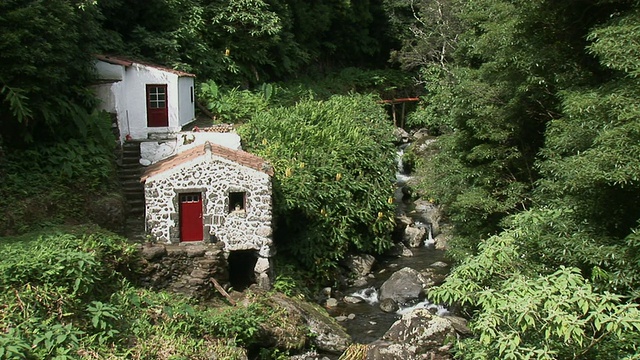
{"points": [[365, 321], [370, 322]]}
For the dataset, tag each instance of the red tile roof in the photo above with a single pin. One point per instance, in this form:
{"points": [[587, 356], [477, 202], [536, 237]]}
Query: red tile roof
{"points": [[116, 60], [241, 157]]}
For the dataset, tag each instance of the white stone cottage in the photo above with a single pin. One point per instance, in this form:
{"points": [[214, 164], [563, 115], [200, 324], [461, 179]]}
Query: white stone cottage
{"points": [[210, 194], [149, 101]]}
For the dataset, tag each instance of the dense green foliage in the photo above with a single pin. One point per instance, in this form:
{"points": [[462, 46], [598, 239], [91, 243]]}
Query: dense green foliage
{"points": [[57, 182], [65, 296], [537, 169], [333, 188], [243, 42], [46, 51]]}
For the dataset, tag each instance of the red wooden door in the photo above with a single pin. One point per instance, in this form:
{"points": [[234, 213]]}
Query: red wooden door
{"points": [[157, 109], [191, 227]]}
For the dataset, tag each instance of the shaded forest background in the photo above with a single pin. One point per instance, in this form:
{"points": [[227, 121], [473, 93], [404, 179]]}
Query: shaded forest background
{"points": [[535, 104]]}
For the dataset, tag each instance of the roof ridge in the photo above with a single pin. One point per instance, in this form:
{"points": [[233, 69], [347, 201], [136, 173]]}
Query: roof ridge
{"points": [[241, 157], [125, 61]]}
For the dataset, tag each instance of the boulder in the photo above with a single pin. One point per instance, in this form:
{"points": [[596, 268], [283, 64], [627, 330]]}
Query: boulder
{"points": [[432, 277], [398, 250], [389, 305], [439, 264], [441, 241], [402, 136], [430, 213], [326, 334], [403, 285], [414, 236], [417, 335], [359, 265]]}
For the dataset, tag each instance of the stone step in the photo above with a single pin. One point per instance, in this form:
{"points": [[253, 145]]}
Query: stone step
{"points": [[130, 160]]}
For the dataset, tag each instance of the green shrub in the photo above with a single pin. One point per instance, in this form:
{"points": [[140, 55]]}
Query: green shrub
{"points": [[334, 172], [233, 105], [525, 309]]}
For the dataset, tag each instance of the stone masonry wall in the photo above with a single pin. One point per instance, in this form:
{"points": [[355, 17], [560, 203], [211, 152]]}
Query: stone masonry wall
{"points": [[183, 269], [215, 180]]}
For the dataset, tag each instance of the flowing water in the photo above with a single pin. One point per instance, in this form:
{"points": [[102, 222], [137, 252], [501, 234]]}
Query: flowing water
{"points": [[370, 323], [365, 321]]}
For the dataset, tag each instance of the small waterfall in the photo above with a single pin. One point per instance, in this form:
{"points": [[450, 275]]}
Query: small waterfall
{"points": [[401, 175], [438, 309], [369, 295], [429, 241]]}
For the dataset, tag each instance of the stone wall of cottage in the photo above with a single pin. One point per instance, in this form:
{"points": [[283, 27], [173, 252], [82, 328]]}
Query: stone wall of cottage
{"points": [[183, 269], [215, 179]]}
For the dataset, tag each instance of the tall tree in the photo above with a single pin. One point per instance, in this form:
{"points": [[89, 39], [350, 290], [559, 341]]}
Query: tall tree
{"points": [[510, 63], [46, 54]]}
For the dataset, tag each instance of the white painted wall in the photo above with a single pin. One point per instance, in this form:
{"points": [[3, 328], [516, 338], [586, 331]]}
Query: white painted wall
{"points": [[154, 151], [187, 99], [137, 78], [127, 97]]}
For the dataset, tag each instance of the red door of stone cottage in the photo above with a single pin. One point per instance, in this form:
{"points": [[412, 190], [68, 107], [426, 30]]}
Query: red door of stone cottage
{"points": [[191, 226], [157, 109]]}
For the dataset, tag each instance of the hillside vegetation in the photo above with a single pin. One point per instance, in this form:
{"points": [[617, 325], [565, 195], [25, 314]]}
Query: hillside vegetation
{"points": [[534, 104]]}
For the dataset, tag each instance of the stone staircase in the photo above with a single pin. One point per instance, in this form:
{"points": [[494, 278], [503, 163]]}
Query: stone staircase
{"points": [[129, 172]]}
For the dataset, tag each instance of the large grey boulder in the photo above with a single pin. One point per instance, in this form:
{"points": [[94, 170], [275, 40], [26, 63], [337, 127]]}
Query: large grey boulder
{"points": [[403, 285], [359, 265], [417, 335], [326, 334], [402, 136], [429, 213], [414, 236]]}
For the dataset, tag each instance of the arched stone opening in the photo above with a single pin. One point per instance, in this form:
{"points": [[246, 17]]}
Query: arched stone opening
{"points": [[241, 268]]}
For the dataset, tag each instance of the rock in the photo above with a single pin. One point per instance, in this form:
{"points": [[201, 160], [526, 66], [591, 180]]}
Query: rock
{"points": [[403, 285], [360, 282], [421, 133], [195, 251], [441, 241], [432, 277], [326, 334], [403, 220], [351, 316], [311, 355], [262, 265], [439, 264], [341, 318], [352, 300], [389, 305], [145, 162], [417, 335], [150, 251], [402, 137], [459, 324], [331, 303], [360, 265], [413, 236], [430, 213], [399, 249]]}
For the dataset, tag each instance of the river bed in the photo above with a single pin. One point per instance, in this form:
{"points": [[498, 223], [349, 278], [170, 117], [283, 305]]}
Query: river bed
{"points": [[368, 322]]}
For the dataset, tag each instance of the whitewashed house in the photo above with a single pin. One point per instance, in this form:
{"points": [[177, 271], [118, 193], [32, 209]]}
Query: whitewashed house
{"points": [[149, 101], [212, 194]]}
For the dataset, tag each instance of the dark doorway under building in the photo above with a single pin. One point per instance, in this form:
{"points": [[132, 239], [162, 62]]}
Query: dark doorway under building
{"points": [[241, 265]]}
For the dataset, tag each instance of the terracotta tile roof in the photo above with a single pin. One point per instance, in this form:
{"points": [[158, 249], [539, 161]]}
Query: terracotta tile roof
{"points": [[238, 156], [116, 60]]}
